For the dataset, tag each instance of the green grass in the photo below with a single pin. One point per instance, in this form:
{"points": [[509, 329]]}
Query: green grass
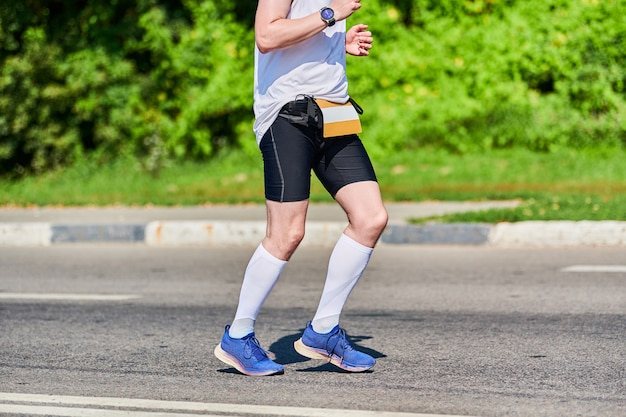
{"points": [[562, 185], [545, 207]]}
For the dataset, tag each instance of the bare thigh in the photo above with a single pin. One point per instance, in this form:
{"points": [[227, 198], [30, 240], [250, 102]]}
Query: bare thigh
{"points": [[366, 212], [285, 227]]}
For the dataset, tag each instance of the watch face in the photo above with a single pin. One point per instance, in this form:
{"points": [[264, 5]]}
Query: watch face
{"points": [[328, 13]]}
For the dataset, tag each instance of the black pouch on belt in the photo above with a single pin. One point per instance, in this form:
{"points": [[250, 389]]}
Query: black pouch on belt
{"points": [[303, 111]]}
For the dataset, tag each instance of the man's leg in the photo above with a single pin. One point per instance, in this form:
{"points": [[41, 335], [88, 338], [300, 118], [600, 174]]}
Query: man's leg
{"points": [[323, 338], [367, 219], [285, 230]]}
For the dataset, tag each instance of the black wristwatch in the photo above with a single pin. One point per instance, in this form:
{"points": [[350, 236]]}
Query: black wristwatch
{"points": [[328, 15]]}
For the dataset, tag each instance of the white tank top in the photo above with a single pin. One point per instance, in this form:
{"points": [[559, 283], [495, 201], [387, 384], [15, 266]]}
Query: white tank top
{"points": [[315, 67]]}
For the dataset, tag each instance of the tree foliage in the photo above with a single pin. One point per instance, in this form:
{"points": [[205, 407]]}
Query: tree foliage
{"points": [[164, 79], [470, 75]]}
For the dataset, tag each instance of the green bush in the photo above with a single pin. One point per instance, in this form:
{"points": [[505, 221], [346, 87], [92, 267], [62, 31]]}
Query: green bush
{"points": [[471, 75], [172, 79], [157, 79]]}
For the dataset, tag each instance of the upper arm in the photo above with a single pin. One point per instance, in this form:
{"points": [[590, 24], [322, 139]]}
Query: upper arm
{"points": [[273, 31], [267, 13]]}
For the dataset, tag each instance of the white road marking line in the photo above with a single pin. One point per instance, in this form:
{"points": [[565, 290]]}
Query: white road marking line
{"points": [[595, 268], [66, 297], [53, 405], [85, 412]]}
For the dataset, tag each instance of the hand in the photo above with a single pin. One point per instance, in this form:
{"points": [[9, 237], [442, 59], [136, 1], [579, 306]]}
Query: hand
{"points": [[359, 40], [344, 8]]}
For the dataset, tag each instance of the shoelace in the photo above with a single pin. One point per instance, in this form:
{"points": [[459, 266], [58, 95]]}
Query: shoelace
{"points": [[255, 348], [342, 341]]}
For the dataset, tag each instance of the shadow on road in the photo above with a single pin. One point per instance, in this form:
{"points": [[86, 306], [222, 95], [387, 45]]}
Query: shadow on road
{"points": [[286, 354]]}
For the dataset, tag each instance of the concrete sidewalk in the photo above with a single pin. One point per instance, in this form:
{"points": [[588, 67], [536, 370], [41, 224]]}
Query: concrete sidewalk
{"points": [[240, 225]]}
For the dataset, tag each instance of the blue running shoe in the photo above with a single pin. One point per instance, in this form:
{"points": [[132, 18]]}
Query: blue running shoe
{"points": [[246, 355], [333, 347]]}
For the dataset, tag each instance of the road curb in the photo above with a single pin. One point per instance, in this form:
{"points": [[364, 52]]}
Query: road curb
{"points": [[559, 233], [97, 233], [242, 233], [441, 234]]}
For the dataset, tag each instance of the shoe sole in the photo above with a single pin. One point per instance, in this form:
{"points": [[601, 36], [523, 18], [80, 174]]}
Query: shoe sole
{"points": [[313, 353], [223, 356]]}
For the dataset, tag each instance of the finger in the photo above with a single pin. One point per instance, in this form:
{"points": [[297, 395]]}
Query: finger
{"points": [[365, 39], [359, 28]]}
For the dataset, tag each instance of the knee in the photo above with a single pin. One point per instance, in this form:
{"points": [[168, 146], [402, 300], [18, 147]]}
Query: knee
{"points": [[379, 220], [294, 237], [371, 223], [284, 244]]}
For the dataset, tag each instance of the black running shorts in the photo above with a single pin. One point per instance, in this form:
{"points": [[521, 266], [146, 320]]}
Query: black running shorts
{"points": [[290, 151]]}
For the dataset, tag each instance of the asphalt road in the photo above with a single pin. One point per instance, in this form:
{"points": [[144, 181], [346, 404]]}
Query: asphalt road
{"points": [[469, 331]]}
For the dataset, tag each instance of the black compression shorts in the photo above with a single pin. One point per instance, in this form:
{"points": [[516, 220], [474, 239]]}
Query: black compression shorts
{"points": [[290, 151]]}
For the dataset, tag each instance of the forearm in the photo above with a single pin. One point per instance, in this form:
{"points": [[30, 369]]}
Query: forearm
{"points": [[274, 31], [282, 32]]}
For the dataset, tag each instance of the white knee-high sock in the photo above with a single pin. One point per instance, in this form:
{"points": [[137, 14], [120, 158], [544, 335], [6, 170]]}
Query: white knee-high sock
{"points": [[259, 279], [346, 265]]}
